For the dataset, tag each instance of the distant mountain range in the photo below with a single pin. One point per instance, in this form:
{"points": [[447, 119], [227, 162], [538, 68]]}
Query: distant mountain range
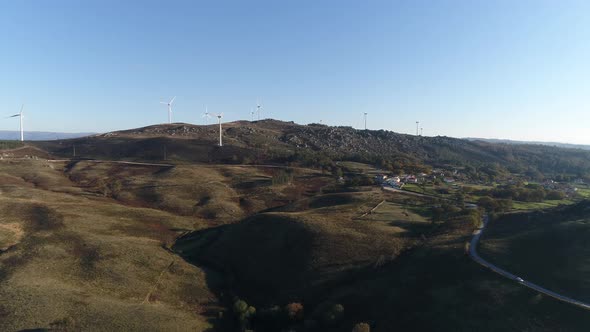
{"points": [[507, 141], [39, 135]]}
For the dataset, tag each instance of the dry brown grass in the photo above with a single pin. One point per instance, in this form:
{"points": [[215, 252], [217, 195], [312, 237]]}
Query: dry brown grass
{"points": [[85, 262], [90, 240], [221, 194], [297, 249]]}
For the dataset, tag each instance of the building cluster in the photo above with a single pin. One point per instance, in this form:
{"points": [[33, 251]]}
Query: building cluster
{"points": [[398, 181], [568, 189]]}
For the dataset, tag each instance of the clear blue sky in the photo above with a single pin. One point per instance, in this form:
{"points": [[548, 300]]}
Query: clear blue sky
{"points": [[506, 69]]}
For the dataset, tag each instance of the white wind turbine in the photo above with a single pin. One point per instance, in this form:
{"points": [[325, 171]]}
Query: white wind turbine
{"points": [[258, 108], [252, 114], [20, 115], [206, 115], [169, 104], [219, 116]]}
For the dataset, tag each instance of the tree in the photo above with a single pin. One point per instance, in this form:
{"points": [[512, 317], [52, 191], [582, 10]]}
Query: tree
{"points": [[361, 327], [337, 172], [243, 312], [460, 198], [423, 186]]}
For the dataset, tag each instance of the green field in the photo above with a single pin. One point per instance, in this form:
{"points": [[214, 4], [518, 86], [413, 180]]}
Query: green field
{"points": [[548, 248], [516, 205]]}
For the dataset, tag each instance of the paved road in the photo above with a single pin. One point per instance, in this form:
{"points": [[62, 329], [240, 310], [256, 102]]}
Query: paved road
{"points": [[473, 253], [475, 256]]}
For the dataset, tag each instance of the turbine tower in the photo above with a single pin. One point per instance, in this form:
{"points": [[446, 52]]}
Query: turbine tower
{"points": [[169, 104], [20, 115], [417, 126], [252, 114], [206, 115], [365, 120], [219, 116], [421, 130]]}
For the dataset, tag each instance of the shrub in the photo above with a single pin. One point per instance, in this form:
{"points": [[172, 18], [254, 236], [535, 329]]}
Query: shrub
{"points": [[282, 177], [294, 311], [555, 195], [43, 218], [329, 314]]}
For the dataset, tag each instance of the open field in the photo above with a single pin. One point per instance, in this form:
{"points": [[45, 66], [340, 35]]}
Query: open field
{"points": [[531, 206], [355, 167], [448, 191]]}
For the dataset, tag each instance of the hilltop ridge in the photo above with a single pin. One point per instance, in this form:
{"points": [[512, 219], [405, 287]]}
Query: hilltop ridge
{"points": [[274, 141]]}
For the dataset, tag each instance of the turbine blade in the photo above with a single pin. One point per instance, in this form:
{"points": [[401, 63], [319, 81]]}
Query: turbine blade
{"points": [[171, 101], [14, 116]]}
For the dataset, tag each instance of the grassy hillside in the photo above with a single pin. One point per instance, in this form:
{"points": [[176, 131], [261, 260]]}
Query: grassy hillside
{"points": [[217, 194], [378, 256], [548, 248], [274, 255], [264, 222], [279, 142], [74, 260], [85, 245]]}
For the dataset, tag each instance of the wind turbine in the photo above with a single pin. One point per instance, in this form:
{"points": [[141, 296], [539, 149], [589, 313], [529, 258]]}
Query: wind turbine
{"points": [[258, 109], [252, 114], [219, 116], [417, 125], [421, 130], [206, 115], [20, 115], [169, 104], [365, 120]]}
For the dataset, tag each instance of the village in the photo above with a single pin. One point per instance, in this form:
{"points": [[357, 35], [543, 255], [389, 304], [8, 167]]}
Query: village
{"points": [[522, 193]]}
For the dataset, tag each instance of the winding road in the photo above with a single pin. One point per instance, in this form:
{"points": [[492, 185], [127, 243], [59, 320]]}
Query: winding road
{"points": [[475, 256], [473, 253]]}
